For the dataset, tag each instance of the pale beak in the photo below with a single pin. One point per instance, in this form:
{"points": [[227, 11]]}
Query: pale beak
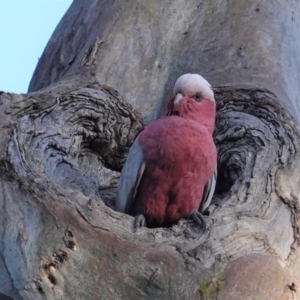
{"points": [[177, 100]]}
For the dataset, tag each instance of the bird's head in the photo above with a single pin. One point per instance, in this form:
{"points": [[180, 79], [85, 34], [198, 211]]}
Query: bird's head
{"points": [[193, 98]]}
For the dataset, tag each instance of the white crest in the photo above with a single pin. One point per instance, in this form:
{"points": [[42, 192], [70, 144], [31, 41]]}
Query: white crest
{"points": [[190, 84]]}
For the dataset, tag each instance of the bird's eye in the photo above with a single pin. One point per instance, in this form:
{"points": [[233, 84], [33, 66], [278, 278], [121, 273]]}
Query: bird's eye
{"points": [[198, 97]]}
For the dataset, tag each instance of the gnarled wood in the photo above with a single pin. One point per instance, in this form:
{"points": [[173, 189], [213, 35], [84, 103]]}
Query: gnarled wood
{"points": [[78, 140], [62, 148]]}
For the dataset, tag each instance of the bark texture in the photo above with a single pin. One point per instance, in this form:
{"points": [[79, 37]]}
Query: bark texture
{"points": [[64, 143]]}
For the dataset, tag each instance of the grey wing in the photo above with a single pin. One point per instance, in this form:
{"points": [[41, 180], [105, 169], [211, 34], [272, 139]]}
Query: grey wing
{"points": [[208, 192], [130, 178]]}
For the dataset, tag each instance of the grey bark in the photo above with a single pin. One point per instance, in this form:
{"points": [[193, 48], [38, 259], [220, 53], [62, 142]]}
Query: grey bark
{"points": [[64, 143]]}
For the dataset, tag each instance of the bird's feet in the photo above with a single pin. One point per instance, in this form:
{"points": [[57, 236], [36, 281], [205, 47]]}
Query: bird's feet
{"points": [[139, 221], [198, 218]]}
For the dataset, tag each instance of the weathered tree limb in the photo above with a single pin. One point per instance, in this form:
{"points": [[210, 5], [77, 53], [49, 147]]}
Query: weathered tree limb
{"points": [[62, 149], [58, 229], [78, 139], [141, 47]]}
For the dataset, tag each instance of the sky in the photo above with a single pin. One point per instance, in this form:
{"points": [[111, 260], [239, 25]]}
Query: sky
{"points": [[25, 28]]}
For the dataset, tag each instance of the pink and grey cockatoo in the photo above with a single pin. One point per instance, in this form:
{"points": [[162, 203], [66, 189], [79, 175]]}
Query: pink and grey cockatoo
{"points": [[170, 171]]}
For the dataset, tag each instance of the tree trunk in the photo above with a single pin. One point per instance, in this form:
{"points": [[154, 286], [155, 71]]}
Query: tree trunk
{"points": [[107, 70]]}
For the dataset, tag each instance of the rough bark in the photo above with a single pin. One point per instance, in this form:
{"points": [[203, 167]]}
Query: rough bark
{"points": [[64, 143]]}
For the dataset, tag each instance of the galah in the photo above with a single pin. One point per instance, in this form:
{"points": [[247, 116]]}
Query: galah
{"points": [[170, 171]]}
